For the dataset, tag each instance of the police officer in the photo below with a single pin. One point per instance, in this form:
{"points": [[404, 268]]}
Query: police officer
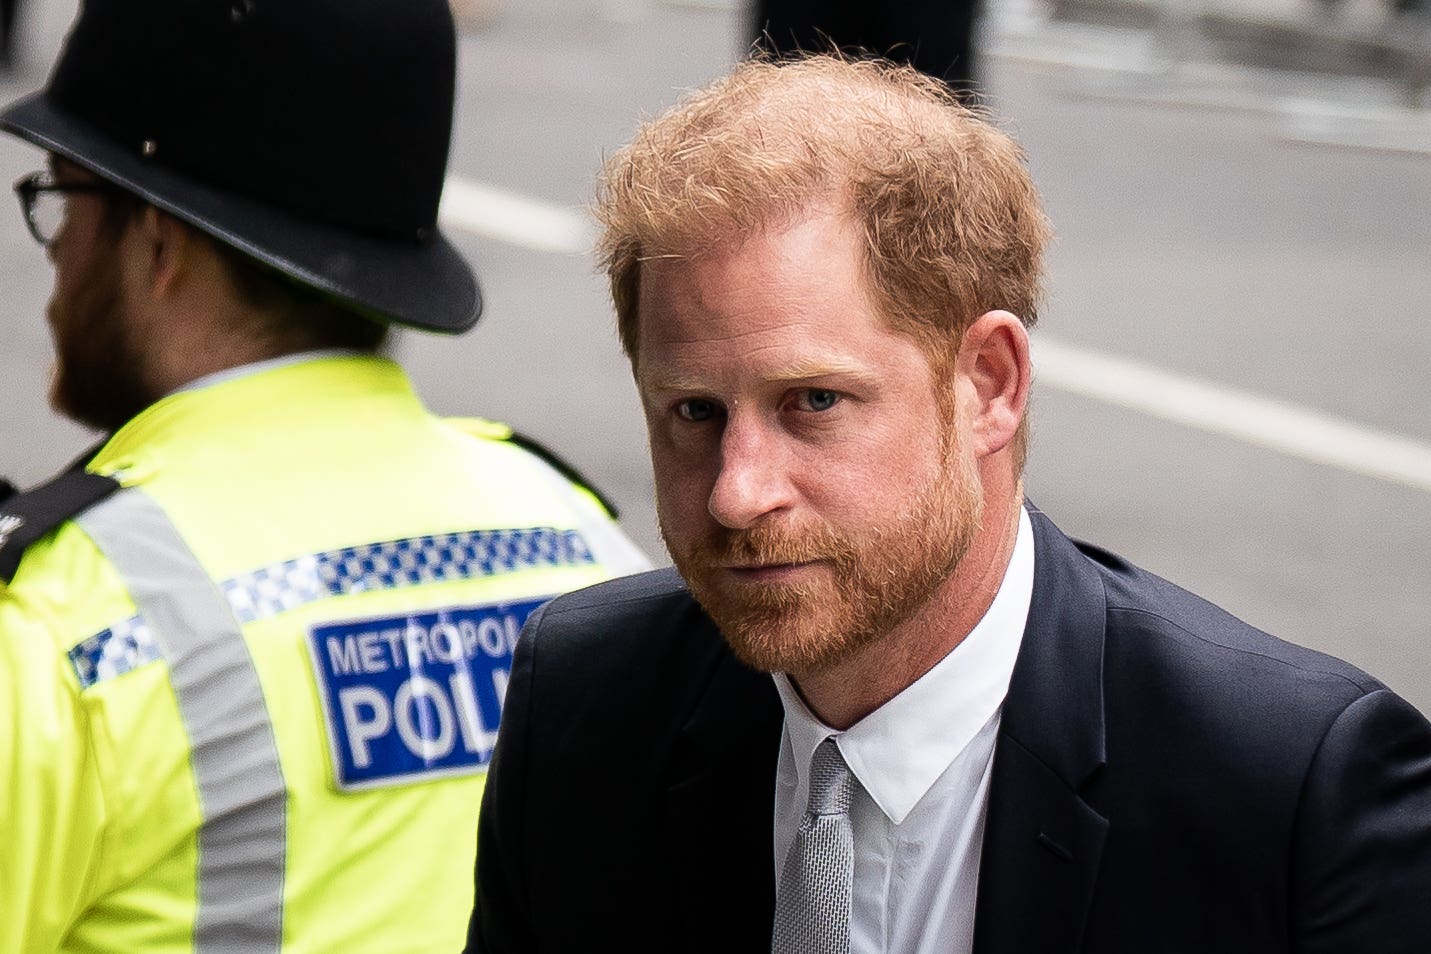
{"points": [[253, 649]]}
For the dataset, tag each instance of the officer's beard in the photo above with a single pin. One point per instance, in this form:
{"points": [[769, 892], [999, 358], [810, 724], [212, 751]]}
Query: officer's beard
{"points": [[97, 372]]}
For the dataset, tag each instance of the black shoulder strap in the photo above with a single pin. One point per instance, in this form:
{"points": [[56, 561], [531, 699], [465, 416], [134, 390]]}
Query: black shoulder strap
{"points": [[26, 517], [565, 469]]}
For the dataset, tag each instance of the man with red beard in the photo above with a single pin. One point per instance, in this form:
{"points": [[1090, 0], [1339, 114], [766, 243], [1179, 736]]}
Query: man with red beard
{"points": [[885, 705]]}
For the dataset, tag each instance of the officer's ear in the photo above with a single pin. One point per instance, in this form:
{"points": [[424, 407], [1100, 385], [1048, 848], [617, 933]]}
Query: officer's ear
{"points": [[167, 247]]}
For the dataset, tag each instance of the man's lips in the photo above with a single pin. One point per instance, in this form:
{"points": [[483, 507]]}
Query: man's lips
{"points": [[770, 572]]}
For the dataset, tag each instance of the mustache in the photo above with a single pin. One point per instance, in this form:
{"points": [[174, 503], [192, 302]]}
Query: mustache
{"points": [[769, 545]]}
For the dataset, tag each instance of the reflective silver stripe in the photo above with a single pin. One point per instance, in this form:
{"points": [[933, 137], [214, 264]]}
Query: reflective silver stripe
{"points": [[242, 795]]}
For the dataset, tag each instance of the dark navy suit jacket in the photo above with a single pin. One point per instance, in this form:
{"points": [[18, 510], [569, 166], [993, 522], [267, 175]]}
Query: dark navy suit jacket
{"points": [[1166, 779]]}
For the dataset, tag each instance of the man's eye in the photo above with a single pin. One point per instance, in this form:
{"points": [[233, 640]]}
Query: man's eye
{"points": [[816, 399], [696, 409]]}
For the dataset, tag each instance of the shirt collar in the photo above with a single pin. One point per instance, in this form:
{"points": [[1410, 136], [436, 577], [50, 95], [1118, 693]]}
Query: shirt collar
{"points": [[902, 748]]}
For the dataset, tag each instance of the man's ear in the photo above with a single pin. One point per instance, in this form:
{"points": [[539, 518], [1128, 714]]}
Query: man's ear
{"points": [[994, 359], [167, 246]]}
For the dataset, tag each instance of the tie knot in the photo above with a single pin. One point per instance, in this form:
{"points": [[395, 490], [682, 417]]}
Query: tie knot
{"points": [[830, 780]]}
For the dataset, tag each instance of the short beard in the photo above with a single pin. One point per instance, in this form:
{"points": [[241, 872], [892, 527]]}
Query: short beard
{"points": [[872, 581], [96, 380]]}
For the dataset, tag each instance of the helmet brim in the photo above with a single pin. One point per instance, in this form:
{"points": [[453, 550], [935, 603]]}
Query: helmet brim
{"points": [[422, 284]]}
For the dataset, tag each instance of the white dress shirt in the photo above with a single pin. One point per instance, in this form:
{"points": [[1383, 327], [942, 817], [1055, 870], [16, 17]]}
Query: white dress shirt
{"points": [[923, 761]]}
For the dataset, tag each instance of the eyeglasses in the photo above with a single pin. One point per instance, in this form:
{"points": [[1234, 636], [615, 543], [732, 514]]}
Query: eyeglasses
{"points": [[42, 200]]}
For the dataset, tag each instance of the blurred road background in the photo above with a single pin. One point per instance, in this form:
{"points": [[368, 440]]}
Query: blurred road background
{"points": [[1233, 364]]}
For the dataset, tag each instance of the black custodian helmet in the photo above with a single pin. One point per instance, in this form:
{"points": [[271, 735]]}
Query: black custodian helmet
{"points": [[311, 135]]}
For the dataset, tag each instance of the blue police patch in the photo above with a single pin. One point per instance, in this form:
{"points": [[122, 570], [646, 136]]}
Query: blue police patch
{"points": [[416, 696]]}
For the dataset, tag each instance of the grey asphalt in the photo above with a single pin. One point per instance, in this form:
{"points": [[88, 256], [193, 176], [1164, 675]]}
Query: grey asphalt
{"points": [[1194, 232]]}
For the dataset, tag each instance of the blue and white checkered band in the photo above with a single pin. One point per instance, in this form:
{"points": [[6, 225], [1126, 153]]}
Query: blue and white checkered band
{"points": [[114, 652], [270, 590], [383, 566]]}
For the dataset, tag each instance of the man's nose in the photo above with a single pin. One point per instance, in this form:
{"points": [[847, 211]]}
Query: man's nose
{"points": [[754, 479]]}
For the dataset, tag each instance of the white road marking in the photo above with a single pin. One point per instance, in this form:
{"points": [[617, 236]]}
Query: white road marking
{"points": [[1232, 412], [1145, 388], [515, 219]]}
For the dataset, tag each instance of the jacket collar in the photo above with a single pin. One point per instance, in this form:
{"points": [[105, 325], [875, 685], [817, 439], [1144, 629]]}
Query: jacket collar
{"points": [[720, 783], [1042, 841]]}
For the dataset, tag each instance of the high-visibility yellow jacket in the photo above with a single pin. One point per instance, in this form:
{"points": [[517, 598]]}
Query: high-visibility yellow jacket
{"points": [[247, 700]]}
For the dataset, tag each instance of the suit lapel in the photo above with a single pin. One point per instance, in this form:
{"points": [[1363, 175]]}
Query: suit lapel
{"points": [[720, 806], [1042, 841]]}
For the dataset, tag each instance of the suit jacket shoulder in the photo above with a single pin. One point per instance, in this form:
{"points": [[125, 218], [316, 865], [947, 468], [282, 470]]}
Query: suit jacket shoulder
{"points": [[632, 781], [1139, 600], [1173, 773], [623, 660], [1176, 661]]}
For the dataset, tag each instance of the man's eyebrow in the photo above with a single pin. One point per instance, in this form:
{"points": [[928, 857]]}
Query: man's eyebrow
{"points": [[814, 369]]}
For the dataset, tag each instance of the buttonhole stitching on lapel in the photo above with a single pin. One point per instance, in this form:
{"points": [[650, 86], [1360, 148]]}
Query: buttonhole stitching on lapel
{"points": [[1055, 847]]}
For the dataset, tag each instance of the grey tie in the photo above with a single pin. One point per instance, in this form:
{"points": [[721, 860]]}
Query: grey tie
{"points": [[812, 906]]}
